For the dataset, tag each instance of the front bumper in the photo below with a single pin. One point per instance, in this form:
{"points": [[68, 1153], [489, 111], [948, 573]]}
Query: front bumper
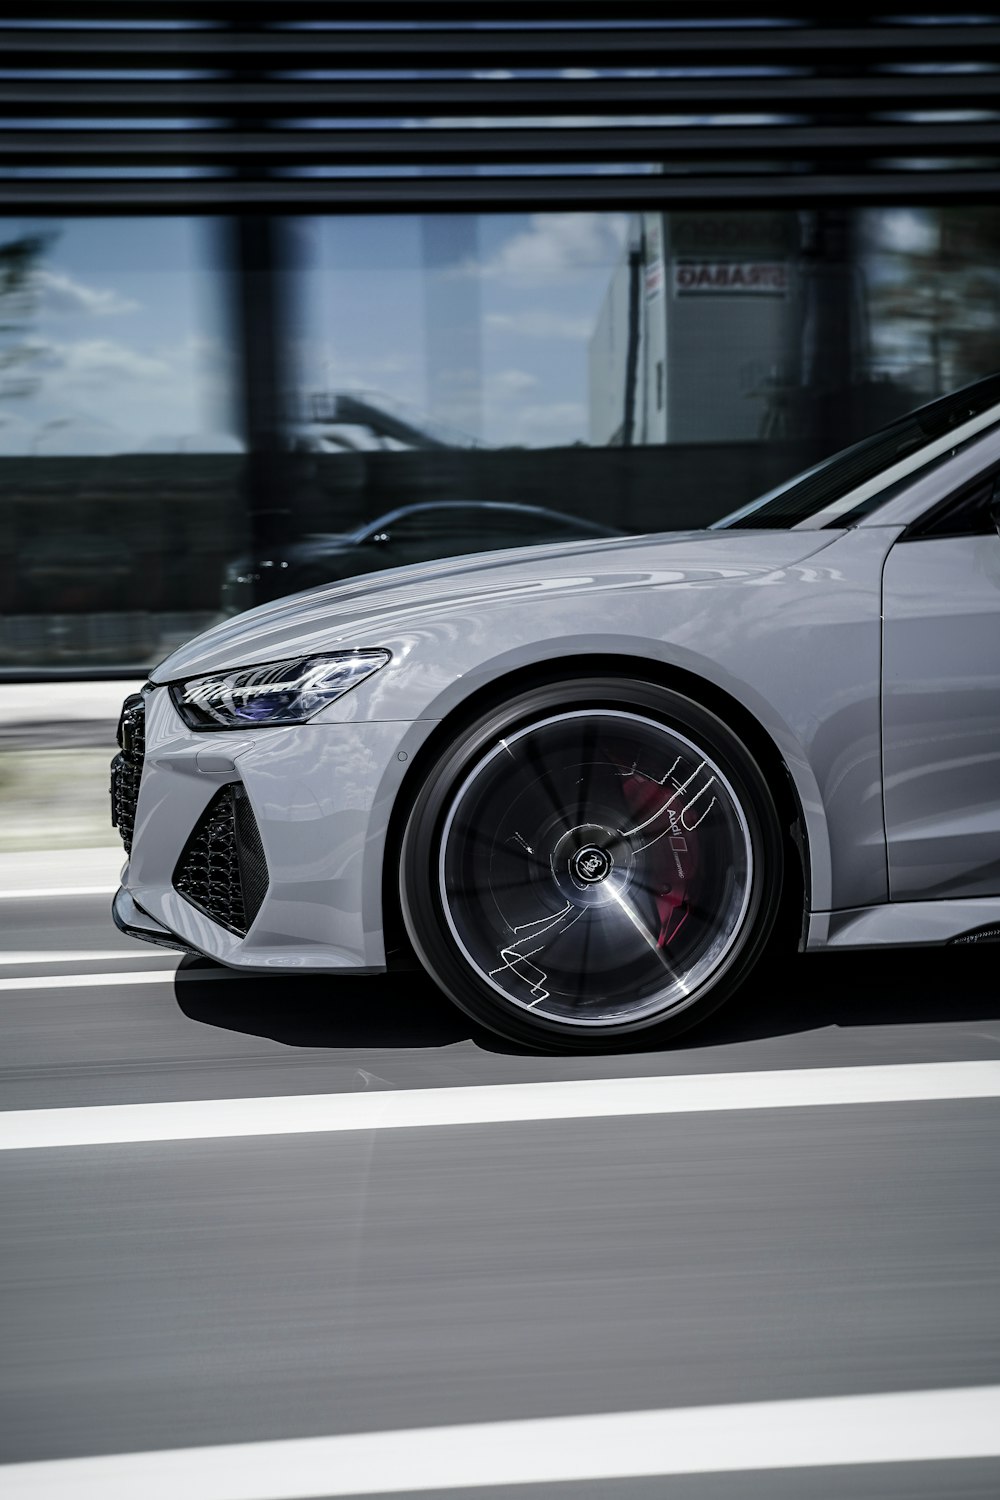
{"points": [[321, 795], [134, 922]]}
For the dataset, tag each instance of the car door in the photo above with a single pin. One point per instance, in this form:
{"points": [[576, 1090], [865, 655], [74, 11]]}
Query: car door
{"points": [[941, 700]]}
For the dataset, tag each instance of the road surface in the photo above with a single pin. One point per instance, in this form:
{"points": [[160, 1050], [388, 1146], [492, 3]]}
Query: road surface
{"points": [[534, 1281]]}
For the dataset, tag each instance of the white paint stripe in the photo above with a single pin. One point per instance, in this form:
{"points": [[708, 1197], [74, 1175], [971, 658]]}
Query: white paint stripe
{"points": [[43, 893], [904, 1427], [85, 955], [493, 1104], [92, 981]]}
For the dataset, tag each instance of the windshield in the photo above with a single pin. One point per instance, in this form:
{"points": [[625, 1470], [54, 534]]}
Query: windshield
{"points": [[911, 437]]}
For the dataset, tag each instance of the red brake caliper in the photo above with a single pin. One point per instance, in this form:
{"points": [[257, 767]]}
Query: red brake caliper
{"points": [[672, 853]]}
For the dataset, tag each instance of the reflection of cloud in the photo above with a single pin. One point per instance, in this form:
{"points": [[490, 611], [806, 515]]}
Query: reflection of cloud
{"points": [[539, 323], [334, 371], [465, 377], [15, 432], [101, 396], [538, 425], [555, 245], [84, 436], [512, 382], [86, 358], [62, 294], [906, 230], [557, 414], [373, 368]]}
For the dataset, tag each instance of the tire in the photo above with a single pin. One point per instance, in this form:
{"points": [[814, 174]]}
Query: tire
{"points": [[593, 866]]}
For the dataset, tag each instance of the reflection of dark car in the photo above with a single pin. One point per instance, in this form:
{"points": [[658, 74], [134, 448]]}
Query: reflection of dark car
{"points": [[414, 533]]}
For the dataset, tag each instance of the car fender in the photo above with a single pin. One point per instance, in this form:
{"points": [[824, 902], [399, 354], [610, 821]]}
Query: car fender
{"points": [[803, 660]]}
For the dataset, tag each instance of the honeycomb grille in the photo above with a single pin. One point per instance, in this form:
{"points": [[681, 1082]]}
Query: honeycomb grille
{"points": [[126, 768], [222, 870]]}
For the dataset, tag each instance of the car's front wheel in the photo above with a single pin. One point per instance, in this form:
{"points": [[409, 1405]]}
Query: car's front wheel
{"points": [[592, 860]]}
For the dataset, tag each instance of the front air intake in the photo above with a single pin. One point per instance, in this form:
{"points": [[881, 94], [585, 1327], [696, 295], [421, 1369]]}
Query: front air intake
{"points": [[223, 871], [126, 768]]}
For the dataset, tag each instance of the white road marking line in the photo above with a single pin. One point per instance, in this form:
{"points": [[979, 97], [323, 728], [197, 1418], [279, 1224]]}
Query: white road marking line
{"points": [[91, 981], [493, 1104], [44, 892], [898, 1427], [85, 955]]}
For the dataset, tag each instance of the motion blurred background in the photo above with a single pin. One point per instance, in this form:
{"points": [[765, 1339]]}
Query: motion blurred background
{"points": [[293, 292]]}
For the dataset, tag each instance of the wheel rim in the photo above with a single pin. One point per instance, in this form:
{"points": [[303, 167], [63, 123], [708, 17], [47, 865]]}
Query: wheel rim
{"points": [[596, 868]]}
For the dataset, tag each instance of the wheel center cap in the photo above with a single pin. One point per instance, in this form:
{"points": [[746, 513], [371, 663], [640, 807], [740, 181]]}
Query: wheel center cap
{"points": [[591, 865]]}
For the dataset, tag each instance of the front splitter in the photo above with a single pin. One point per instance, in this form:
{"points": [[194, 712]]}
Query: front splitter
{"points": [[130, 918]]}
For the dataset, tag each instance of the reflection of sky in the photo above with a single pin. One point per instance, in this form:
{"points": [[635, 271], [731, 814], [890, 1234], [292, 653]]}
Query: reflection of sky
{"points": [[124, 341], [482, 324], [477, 325]]}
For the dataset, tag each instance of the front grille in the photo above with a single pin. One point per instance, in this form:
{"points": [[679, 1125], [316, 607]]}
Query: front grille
{"points": [[126, 768], [223, 871]]}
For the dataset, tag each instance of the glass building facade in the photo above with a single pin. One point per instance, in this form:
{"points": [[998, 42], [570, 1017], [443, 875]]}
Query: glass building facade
{"points": [[238, 381]]}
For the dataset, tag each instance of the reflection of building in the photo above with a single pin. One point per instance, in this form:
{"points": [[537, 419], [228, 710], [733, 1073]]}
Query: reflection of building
{"points": [[698, 335], [370, 419]]}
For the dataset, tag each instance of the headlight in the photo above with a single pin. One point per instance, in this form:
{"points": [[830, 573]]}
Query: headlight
{"points": [[280, 692]]}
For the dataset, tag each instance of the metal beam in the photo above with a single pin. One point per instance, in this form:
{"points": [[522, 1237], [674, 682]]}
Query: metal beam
{"points": [[199, 99], [396, 147], [430, 194], [329, 13], [649, 45]]}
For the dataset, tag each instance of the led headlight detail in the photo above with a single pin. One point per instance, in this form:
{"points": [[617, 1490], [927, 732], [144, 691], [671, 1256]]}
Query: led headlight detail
{"points": [[279, 692]]}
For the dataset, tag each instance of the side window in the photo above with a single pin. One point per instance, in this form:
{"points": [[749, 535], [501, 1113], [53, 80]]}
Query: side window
{"points": [[968, 512]]}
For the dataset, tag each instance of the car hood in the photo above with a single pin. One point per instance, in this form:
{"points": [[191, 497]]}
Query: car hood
{"points": [[376, 608]]}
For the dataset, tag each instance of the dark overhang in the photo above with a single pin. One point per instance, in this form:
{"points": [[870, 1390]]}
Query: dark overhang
{"points": [[154, 106]]}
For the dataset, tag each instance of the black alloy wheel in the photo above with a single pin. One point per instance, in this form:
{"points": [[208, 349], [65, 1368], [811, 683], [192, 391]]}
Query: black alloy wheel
{"points": [[593, 860]]}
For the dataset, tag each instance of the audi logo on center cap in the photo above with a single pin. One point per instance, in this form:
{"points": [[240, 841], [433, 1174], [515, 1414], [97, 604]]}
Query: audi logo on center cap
{"points": [[591, 865]]}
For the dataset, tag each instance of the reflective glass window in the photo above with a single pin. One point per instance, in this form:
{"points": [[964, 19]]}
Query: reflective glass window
{"points": [[630, 372], [119, 457], [426, 385]]}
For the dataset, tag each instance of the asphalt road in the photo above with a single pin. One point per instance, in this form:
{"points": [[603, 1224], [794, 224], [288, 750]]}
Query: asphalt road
{"points": [[174, 1294]]}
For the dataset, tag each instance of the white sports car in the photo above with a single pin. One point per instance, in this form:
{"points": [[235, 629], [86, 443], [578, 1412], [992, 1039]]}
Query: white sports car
{"points": [[582, 783]]}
